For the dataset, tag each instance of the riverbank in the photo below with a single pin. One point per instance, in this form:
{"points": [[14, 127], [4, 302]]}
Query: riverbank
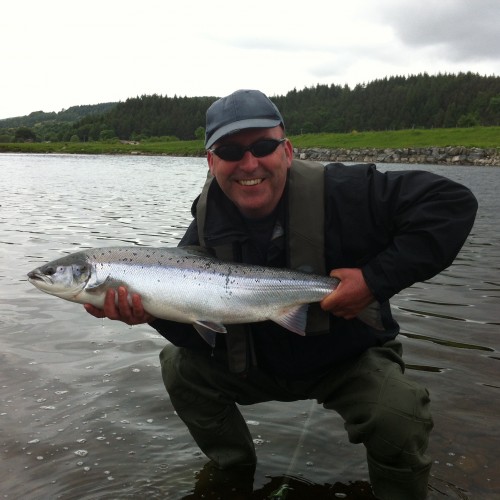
{"points": [[458, 146], [456, 155], [432, 155]]}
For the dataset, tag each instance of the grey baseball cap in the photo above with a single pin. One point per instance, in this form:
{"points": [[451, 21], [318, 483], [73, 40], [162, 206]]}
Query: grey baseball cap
{"points": [[238, 111]]}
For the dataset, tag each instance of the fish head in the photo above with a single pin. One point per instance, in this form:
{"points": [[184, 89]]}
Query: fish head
{"points": [[65, 277]]}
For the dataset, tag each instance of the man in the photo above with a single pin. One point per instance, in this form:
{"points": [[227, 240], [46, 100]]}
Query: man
{"points": [[377, 232]]}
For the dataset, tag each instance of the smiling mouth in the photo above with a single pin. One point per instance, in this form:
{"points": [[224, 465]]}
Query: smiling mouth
{"points": [[250, 182]]}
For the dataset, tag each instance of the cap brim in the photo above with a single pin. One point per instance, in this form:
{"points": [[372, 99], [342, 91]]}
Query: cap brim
{"points": [[234, 127]]}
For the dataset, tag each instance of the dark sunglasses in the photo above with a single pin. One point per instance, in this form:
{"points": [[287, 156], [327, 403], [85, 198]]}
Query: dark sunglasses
{"points": [[235, 152]]}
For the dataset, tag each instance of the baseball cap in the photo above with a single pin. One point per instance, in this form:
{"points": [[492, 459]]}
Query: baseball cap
{"points": [[238, 111]]}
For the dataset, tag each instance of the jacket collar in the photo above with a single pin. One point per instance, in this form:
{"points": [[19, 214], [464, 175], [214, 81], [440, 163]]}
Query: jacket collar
{"points": [[224, 222], [225, 225]]}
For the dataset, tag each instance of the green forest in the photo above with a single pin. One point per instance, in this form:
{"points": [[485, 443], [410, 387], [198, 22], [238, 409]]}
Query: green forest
{"points": [[393, 103]]}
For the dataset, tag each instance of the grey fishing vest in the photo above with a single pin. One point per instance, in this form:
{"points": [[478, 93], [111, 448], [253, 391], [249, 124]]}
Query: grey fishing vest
{"points": [[305, 237]]}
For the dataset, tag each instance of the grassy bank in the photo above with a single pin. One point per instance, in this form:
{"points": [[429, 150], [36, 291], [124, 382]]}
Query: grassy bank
{"points": [[481, 137], [173, 148]]}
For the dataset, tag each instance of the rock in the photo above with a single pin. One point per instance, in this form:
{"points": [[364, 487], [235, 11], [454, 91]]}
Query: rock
{"points": [[456, 155]]}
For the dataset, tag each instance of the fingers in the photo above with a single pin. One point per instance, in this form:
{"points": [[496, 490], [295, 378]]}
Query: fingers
{"points": [[119, 307], [94, 311], [116, 305]]}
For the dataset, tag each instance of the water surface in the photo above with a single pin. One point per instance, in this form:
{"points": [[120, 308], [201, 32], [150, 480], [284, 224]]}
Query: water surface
{"points": [[83, 411]]}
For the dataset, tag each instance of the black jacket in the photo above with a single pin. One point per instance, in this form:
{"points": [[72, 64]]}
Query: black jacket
{"points": [[398, 227]]}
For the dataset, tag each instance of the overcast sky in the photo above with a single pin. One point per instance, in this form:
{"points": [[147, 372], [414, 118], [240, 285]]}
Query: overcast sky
{"points": [[59, 53]]}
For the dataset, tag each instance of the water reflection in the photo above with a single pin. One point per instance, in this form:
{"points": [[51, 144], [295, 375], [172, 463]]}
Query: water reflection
{"points": [[83, 410]]}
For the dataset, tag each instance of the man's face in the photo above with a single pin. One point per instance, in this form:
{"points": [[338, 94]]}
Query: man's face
{"points": [[254, 185]]}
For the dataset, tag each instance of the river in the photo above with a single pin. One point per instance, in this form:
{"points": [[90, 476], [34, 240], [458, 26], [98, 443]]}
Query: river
{"points": [[83, 410]]}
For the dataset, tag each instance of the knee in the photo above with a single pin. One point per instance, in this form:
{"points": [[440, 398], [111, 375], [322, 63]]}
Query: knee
{"points": [[189, 380], [401, 427], [180, 377]]}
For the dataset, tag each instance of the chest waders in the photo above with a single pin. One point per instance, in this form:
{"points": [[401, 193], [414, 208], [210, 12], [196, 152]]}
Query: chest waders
{"points": [[305, 241]]}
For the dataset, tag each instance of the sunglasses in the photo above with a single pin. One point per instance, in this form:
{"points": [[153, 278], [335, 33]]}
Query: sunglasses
{"points": [[235, 152]]}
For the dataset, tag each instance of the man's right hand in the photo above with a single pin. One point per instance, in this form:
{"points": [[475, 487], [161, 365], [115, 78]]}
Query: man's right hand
{"points": [[351, 296], [119, 309]]}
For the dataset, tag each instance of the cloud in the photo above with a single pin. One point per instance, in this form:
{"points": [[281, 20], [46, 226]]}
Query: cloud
{"points": [[458, 30], [63, 54]]}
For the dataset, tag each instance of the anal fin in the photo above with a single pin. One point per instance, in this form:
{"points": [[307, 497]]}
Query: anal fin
{"points": [[294, 319]]}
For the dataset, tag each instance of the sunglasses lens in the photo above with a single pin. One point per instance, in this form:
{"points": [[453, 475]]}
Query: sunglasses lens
{"points": [[231, 152], [264, 147], [235, 152]]}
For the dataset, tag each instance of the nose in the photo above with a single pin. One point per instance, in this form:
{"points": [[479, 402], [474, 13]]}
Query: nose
{"points": [[248, 162]]}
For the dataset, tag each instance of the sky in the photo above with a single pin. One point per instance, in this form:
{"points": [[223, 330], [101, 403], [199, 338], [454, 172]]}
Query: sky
{"points": [[56, 54]]}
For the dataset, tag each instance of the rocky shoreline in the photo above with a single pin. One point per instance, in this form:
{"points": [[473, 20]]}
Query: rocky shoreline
{"points": [[432, 155]]}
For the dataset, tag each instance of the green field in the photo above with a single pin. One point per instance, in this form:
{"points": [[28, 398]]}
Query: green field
{"points": [[481, 137]]}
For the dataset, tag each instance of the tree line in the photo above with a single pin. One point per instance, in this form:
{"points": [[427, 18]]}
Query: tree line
{"points": [[391, 103]]}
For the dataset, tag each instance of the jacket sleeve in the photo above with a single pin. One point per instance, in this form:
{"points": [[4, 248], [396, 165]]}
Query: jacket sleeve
{"points": [[414, 224]]}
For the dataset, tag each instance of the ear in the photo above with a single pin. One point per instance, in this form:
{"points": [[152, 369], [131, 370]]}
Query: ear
{"points": [[289, 152], [210, 160]]}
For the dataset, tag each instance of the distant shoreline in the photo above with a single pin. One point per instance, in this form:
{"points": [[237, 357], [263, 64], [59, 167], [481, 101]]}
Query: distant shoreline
{"points": [[450, 155]]}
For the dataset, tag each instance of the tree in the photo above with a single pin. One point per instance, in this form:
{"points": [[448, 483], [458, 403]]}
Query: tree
{"points": [[24, 134], [468, 120], [106, 135], [199, 133], [391, 103], [6, 138], [494, 110]]}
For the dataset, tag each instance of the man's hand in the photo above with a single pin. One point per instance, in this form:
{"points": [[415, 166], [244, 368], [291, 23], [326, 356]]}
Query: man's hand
{"points": [[120, 309], [351, 296]]}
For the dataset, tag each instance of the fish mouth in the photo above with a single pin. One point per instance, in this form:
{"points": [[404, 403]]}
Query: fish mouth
{"points": [[37, 276]]}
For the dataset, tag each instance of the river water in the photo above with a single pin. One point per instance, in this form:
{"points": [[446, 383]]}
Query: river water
{"points": [[83, 410]]}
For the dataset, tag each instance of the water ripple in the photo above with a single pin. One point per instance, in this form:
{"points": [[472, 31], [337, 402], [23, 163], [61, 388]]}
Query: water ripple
{"points": [[83, 410]]}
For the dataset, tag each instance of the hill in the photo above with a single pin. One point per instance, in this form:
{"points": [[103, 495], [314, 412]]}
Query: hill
{"points": [[52, 126], [72, 114], [388, 104]]}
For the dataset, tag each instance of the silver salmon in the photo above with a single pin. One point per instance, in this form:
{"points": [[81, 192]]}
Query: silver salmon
{"points": [[187, 286]]}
